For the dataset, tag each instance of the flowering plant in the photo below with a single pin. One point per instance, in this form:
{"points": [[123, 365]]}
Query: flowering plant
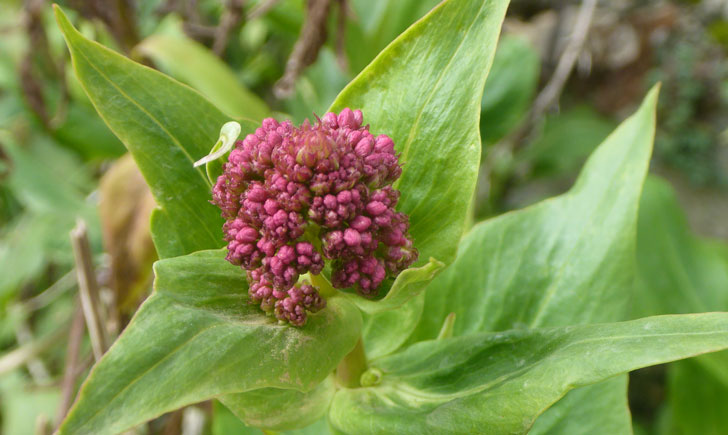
{"points": [[368, 302]]}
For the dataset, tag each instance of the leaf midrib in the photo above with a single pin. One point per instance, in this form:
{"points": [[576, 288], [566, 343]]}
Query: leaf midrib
{"points": [[553, 355]]}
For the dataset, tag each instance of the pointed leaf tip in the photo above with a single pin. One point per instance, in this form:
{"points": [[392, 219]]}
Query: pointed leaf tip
{"points": [[63, 22]]}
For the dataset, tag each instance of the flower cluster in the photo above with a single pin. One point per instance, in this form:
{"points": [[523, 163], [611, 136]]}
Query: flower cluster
{"points": [[293, 197]]}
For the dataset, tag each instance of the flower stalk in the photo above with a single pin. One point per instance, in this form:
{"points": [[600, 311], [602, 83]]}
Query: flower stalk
{"points": [[350, 369]]}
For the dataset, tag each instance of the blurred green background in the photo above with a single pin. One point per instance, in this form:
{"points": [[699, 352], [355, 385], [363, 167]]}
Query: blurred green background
{"points": [[59, 162]]}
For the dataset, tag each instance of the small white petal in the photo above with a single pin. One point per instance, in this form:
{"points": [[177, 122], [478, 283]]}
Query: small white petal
{"points": [[228, 135]]}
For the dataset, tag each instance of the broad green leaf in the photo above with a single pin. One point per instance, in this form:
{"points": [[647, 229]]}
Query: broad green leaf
{"points": [[388, 320], [433, 120], [510, 87], [194, 64], [277, 409], [567, 260], [167, 126], [698, 400], [321, 427], [225, 422], [543, 265], [598, 409], [196, 338], [376, 24], [677, 271], [385, 332], [500, 382]]}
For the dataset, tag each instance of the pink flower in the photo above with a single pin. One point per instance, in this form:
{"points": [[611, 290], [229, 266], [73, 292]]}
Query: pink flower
{"points": [[294, 197]]}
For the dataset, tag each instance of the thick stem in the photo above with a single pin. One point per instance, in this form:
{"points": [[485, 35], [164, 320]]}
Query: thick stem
{"points": [[323, 285], [350, 369]]}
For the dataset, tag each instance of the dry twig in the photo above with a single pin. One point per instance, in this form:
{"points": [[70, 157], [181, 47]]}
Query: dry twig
{"points": [[548, 96], [230, 19], [88, 288], [341, 58], [36, 367], [42, 299], [71, 371], [261, 9], [305, 52]]}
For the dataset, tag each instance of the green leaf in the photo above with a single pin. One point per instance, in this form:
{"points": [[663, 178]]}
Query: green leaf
{"points": [[543, 266], [277, 409], [376, 24], [567, 260], [408, 284], [598, 409], [385, 332], [196, 338], [698, 400], [500, 382], [433, 120], [51, 184], [677, 271], [194, 64], [321, 427], [167, 126], [225, 422], [510, 87]]}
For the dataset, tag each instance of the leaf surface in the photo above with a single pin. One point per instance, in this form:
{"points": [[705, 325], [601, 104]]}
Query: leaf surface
{"points": [[278, 409], [434, 122], [194, 64], [598, 409], [567, 260], [510, 87], [166, 126], [500, 382], [679, 272], [196, 338]]}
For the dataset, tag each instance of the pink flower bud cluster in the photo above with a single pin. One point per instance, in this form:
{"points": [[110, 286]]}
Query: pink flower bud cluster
{"points": [[293, 197]]}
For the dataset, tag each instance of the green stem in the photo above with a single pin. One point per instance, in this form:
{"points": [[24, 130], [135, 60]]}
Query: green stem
{"points": [[324, 286], [350, 369]]}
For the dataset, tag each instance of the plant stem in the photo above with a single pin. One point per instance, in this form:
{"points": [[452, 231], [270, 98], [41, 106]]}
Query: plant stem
{"points": [[88, 289], [324, 286], [350, 369]]}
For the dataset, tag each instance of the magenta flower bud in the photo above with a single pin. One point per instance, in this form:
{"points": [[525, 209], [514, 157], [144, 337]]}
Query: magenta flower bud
{"points": [[375, 208], [283, 187], [361, 223], [352, 237]]}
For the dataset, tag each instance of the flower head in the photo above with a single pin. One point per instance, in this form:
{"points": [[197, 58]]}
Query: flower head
{"points": [[294, 197]]}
